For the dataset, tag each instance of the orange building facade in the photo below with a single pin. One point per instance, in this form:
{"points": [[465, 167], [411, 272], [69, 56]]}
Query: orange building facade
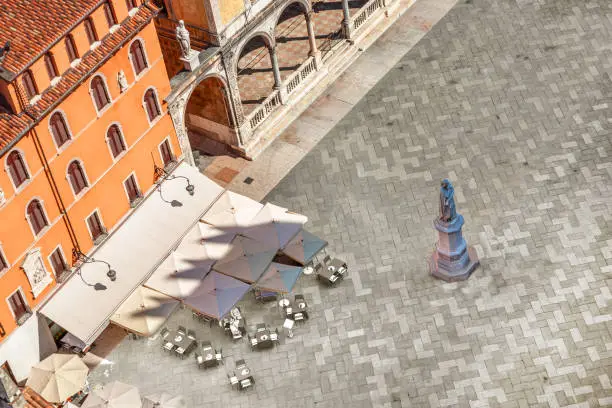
{"points": [[83, 127]]}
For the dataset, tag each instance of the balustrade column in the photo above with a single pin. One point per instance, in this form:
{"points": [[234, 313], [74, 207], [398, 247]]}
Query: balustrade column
{"points": [[177, 113], [278, 83], [312, 39], [235, 102], [346, 22]]}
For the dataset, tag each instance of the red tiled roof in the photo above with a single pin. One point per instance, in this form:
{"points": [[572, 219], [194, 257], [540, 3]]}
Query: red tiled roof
{"points": [[33, 25], [13, 126]]}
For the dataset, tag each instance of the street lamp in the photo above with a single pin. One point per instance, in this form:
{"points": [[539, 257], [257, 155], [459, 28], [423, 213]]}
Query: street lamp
{"points": [[77, 255], [164, 175]]}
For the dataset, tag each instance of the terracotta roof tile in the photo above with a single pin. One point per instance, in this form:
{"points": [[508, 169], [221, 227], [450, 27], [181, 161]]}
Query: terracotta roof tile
{"points": [[33, 25], [12, 126]]}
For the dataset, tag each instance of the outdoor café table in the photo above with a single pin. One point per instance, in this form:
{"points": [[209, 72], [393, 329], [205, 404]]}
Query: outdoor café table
{"points": [[299, 311], [331, 271], [210, 358], [243, 373], [182, 343]]}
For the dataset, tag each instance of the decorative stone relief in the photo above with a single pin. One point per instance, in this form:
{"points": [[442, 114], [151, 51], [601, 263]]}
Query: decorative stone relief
{"points": [[177, 113], [122, 80], [232, 81], [36, 272]]}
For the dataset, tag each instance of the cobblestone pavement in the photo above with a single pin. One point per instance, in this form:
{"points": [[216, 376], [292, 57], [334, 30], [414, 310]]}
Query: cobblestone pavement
{"points": [[510, 100]]}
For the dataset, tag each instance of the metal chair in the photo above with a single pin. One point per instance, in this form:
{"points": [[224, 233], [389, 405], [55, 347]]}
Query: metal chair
{"points": [[182, 330], [240, 364], [164, 332], [191, 334], [260, 327], [246, 383], [326, 259]]}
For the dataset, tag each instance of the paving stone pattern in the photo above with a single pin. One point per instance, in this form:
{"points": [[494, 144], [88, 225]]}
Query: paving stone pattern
{"points": [[510, 100]]}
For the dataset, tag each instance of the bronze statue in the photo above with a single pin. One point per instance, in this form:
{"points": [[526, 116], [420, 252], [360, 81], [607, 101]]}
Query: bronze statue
{"points": [[447, 201]]}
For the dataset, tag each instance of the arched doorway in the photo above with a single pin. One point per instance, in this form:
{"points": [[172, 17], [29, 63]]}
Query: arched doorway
{"points": [[292, 45], [208, 119], [255, 75]]}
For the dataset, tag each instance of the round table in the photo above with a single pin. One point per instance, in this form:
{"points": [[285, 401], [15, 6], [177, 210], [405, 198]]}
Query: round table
{"points": [[308, 270], [284, 302], [209, 356], [245, 371], [178, 338], [264, 337]]}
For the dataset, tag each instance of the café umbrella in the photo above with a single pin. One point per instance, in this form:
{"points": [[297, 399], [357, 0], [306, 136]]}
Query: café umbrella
{"points": [[58, 377], [304, 246], [163, 400], [216, 295], [279, 278], [114, 395]]}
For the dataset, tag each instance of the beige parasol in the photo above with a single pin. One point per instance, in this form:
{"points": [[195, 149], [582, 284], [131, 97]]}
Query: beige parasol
{"points": [[58, 377], [114, 395], [163, 400]]}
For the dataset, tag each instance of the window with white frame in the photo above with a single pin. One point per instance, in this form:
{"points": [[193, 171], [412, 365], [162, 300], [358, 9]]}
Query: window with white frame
{"points": [[17, 168], [36, 216], [115, 141], [151, 105], [96, 229], [165, 151], [76, 177], [132, 190], [29, 85], [99, 93], [59, 129], [18, 306], [3, 262], [138, 57], [58, 263], [90, 30]]}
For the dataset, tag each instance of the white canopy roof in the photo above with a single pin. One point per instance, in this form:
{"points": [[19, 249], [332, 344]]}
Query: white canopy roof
{"points": [[232, 212], [275, 226], [134, 250], [144, 311]]}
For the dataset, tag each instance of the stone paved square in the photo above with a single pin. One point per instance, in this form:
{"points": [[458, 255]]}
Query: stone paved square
{"points": [[510, 99]]}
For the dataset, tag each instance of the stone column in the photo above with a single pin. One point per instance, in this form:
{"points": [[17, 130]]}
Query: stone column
{"points": [[312, 39], [177, 113], [240, 122], [346, 22], [278, 83]]}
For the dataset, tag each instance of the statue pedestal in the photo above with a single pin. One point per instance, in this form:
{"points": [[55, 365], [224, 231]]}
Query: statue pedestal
{"points": [[452, 260], [191, 61]]}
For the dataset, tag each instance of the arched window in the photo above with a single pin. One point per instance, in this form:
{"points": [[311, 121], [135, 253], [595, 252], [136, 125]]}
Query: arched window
{"points": [[90, 30], [109, 13], [151, 105], [71, 48], [115, 141], [59, 129], [50, 65], [139, 61], [36, 216], [76, 176], [99, 93], [17, 168], [28, 84]]}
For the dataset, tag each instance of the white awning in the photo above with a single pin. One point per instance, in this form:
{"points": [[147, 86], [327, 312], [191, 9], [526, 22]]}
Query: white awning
{"points": [[134, 250]]}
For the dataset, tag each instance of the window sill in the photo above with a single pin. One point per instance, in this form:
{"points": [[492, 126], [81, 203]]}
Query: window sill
{"points": [[114, 28], [134, 203], [104, 109], [100, 239], [63, 146], [94, 45], [75, 63], [21, 321], [35, 99], [41, 232], [133, 11], [62, 276], [55, 80]]}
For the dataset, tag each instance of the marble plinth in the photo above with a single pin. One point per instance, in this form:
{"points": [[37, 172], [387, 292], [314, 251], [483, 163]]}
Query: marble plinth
{"points": [[452, 260]]}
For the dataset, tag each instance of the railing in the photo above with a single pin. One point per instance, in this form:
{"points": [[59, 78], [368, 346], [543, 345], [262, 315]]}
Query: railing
{"points": [[330, 41], [264, 110], [365, 13], [307, 68]]}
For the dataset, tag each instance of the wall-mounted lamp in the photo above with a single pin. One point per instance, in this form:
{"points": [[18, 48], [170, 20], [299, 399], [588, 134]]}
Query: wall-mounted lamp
{"points": [[162, 174], [77, 256]]}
